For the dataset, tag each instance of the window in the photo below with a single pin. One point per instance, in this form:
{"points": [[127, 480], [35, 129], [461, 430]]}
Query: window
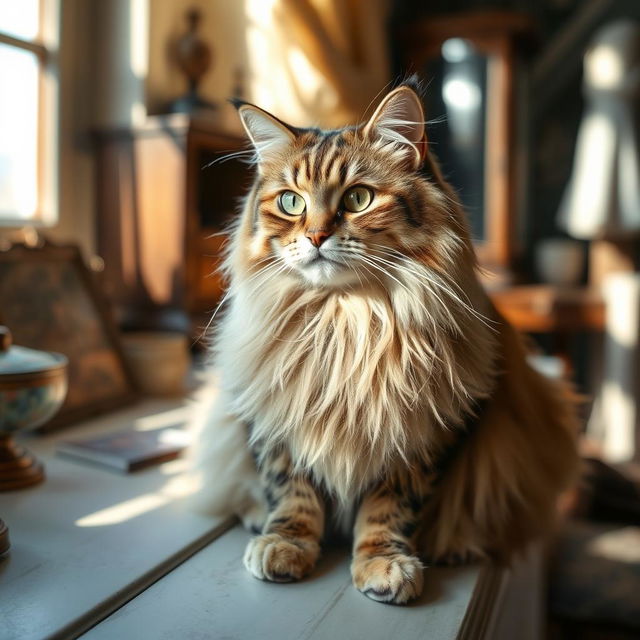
{"points": [[28, 111]]}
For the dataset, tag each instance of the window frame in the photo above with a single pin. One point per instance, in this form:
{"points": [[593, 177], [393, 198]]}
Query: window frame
{"points": [[44, 46]]}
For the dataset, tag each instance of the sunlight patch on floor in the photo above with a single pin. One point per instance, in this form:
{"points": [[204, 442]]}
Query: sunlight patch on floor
{"points": [[174, 489], [171, 418]]}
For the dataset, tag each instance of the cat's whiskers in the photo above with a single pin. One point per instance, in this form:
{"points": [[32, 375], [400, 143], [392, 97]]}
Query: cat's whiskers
{"points": [[371, 262], [269, 258], [370, 257], [357, 256], [249, 153], [276, 267], [365, 257], [422, 280], [416, 261], [232, 290], [446, 288], [414, 265], [412, 271]]}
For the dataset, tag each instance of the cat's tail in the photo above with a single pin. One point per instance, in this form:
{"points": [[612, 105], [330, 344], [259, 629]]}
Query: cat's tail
{"points": [[221, 462], [502, 491]]}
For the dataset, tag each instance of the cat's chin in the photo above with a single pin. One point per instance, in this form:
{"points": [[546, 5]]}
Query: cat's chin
{"points": [[327, 273]]}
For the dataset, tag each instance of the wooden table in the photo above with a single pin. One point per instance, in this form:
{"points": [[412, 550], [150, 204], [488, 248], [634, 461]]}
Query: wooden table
{"points": [[561, 312], [547, 309], [120, 556]]}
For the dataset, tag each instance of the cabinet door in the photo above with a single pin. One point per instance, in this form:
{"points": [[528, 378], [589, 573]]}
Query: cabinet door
{"points": [[217, 181]]}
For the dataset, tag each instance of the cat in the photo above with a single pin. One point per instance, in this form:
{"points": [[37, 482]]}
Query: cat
{"points": [[365, 379]]}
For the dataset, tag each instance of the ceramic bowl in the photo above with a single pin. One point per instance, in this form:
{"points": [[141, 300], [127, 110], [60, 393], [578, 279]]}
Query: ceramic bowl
{"points": [[30, 401], [33, 386]]}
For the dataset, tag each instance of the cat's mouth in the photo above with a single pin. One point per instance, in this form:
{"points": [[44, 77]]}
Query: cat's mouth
{"points": [[318, 266], [319, 259], [322, 270]]}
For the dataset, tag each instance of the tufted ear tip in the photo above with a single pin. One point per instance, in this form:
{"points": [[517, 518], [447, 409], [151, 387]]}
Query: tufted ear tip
{"points": [[268, 134], [400, 118]]}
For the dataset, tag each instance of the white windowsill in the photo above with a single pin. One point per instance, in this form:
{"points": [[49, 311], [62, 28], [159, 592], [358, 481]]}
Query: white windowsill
{"points": [[89, 541]]}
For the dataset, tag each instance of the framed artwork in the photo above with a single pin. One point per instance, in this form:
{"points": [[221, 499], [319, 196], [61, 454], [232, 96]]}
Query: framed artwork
{"points": [[50, 301]]}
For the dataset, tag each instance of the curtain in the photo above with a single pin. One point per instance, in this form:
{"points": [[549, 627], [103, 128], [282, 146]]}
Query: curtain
{"points": [[317, 62], [602, 199]]}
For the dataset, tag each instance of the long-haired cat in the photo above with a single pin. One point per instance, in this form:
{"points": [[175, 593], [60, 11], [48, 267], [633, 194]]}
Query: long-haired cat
{"points": [[365, 379]]}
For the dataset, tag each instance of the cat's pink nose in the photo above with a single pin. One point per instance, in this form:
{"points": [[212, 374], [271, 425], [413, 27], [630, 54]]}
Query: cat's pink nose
{"points": [[317, 236]]}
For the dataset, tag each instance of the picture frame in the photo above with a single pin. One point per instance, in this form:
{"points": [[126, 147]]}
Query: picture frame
{"points": [[50, 301]]}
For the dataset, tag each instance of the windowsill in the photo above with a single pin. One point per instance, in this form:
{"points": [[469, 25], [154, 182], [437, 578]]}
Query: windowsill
{"points": [[89, 541]]}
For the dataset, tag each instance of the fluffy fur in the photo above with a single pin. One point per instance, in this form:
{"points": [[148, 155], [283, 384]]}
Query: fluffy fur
{"points": [[351, 370]]}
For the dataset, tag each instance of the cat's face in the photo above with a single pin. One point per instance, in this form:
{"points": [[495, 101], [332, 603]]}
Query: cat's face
{"points": [[334, 206]]}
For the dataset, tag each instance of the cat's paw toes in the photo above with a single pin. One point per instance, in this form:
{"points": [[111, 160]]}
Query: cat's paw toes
{"points": [[395, 579], [279, 559]]}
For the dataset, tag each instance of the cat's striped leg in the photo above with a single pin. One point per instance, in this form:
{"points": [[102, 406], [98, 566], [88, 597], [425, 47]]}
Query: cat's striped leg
{"points": [[384, 566], [290, 542]]}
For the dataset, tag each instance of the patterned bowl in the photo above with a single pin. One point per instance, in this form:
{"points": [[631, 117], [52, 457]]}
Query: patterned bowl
{"points": [[33, 385], [29, 402]]}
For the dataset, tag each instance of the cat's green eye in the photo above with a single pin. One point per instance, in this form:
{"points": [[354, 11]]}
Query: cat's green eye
{"points": [[357, 199], [292, 203]]}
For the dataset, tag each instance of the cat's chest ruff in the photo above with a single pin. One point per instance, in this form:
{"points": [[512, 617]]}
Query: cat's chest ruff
{"points": [[348, 383], [339, 350], [339, 382]]}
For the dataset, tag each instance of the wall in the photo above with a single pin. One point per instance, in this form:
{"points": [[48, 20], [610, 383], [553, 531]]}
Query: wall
{"points": [[99, 87], [222, 28], [114, 68], [75, 170]]}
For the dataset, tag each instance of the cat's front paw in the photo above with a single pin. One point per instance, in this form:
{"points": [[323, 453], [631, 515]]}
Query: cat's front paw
{"points": [[395, 579], [278, 559]]}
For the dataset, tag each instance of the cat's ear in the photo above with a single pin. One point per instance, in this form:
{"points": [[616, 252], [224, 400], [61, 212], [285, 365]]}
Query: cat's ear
{"points": [[268, 134], [399, 118]]}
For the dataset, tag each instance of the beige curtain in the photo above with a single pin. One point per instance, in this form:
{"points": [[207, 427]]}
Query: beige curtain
{"points": [[317, 62]]}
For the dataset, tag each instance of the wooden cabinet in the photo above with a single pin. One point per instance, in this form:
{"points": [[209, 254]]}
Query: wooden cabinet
{"points": [[164, 191]]}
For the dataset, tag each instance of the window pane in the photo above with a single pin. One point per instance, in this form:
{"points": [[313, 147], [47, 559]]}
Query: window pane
{"points": [[18, 133], [20, 18]]}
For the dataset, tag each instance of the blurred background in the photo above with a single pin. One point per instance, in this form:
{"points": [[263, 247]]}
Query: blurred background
{"points": [[118, 147]]}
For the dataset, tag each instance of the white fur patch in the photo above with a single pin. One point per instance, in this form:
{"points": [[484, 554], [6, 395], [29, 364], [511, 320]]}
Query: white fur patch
{"points": [[224, 469], [352, 381]]}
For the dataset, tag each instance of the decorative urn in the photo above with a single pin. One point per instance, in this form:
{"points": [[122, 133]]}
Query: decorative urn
{"points": [[33, 386]]}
